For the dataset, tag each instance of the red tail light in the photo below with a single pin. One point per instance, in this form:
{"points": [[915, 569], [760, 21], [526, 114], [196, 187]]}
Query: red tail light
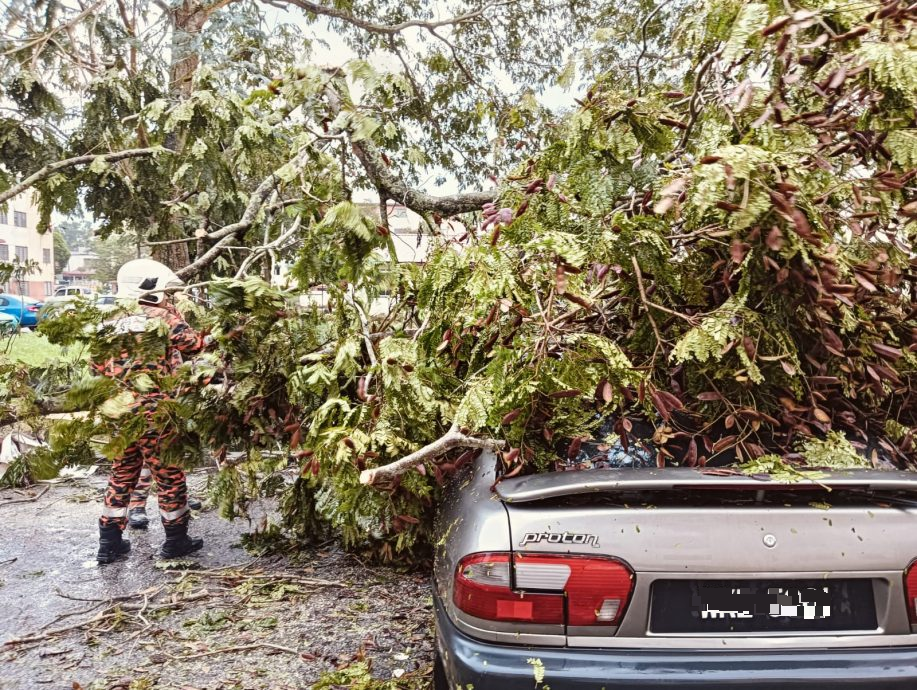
{"points": [[543, 588], [32, 308], [910, 591], [483, 590]]}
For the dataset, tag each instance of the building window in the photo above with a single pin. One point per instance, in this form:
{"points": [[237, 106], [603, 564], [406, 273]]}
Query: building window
{"points": [[19, 219], [22, 253], [4, 218], [4, 252], [46, 256], [49, 288]]}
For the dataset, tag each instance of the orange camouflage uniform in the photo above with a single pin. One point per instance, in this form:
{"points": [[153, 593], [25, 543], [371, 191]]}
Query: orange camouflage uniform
{"points": [[126, 470]]}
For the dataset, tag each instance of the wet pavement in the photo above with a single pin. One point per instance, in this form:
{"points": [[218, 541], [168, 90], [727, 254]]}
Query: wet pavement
{"points": [[47, 565]]}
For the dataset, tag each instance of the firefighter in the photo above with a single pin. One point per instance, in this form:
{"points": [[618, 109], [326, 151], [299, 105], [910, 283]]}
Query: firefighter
{"points": [[136, 280], [136, 510]]}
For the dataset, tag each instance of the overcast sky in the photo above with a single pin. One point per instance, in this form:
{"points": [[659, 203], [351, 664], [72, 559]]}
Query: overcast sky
{"points": [[337, 52]]}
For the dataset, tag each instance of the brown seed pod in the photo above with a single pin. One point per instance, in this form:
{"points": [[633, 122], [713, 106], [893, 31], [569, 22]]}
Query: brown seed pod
{"points": [[855, 33], [673, 123], [775, 26], [511, 416], [573, 449]]}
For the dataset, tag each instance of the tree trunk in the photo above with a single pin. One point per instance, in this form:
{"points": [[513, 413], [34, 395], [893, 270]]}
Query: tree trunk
{"points": [[188, 20]]}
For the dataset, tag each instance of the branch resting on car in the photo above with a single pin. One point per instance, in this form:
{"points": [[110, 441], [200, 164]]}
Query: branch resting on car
{"points": [[454, 438]]}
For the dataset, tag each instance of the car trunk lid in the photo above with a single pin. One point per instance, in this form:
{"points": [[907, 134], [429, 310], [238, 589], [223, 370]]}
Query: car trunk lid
{"points": [[839, 540]]}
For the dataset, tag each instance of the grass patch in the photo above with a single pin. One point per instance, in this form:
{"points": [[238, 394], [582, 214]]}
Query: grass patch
{"points": [[35, 350]]}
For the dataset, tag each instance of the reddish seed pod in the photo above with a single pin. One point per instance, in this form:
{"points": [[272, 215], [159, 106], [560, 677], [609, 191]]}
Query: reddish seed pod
{"points": [[673, 123], [573, 450], [775, 26], [855, 33], [576, 299], [748, 344], [782, 44], [349, 443], [509, 457], [511, 416]]}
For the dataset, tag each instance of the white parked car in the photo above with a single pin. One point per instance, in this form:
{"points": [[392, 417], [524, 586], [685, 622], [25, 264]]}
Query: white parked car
{"points": [[69, 293]]}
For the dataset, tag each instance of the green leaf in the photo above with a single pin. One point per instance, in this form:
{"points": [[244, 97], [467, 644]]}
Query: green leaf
{"points": [[362, 127], [118, 406], [199, 148], [99, 165]]}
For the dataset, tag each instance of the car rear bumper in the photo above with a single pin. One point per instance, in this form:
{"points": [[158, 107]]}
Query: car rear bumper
{"points": [[483, 666]]}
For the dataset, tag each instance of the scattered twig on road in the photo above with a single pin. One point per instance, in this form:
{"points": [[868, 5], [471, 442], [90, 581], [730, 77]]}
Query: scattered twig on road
{"points": [[240, 648], [27, 500], [134, 608]]}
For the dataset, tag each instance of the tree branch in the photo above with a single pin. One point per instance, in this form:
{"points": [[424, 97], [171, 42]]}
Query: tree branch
{"points": [[392, 186], [644, 46], [228, 233], [52, 168], [388, 29], [279, 243], [416, 200], [452, 439]]}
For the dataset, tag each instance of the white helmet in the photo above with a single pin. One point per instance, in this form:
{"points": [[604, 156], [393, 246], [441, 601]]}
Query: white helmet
{"points": [[142, 275]]}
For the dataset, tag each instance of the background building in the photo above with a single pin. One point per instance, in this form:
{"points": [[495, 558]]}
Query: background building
{"points": [[20, 242]]}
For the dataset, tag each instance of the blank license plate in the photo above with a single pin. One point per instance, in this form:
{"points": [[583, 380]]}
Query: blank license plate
{"points": [[749, 606]]}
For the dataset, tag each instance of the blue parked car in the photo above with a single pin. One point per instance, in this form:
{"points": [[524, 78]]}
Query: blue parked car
{"points": [[24, 309]]}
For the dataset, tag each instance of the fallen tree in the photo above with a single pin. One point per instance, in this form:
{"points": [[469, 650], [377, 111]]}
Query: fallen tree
{"points": [[727, 263]]}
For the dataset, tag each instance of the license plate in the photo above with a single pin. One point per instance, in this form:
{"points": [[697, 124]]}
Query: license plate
{"points": [[749, 606]]}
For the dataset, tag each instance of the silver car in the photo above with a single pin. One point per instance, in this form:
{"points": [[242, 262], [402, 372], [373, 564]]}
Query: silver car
{"points": [[676, 577]]}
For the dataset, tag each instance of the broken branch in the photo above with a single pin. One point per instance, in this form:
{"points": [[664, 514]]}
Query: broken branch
{"points": [[52, 168], [452, 439]]}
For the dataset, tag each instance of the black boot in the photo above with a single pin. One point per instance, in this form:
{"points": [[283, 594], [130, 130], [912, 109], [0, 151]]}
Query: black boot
{"points": [[112, 545], [194, 504], [137, 519], [178, 543]]}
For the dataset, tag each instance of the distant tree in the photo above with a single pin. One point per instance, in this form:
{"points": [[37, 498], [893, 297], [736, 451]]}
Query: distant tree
{"points": [[61, 252], [77, 233], [111, 253]]}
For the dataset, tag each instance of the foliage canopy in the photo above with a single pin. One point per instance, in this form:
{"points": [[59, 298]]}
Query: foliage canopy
{"points": [[724, 254]]}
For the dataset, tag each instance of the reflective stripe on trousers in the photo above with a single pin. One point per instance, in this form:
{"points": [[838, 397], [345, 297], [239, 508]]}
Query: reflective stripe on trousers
{"points": [[172, 515]]}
